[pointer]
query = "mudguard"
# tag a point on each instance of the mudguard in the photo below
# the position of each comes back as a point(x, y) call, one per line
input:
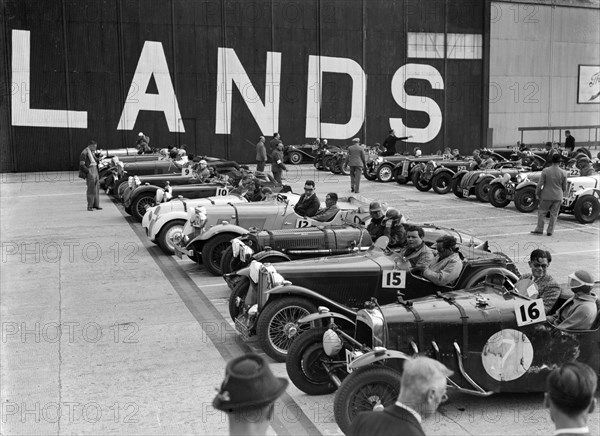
point(308, 293)
point(217, 230)
point(164, 219)
point(376, 355)
point(459, 174)
point(420, 167)
point(439, 170)
point(270, 253)
point(139, 191)
point(525, 184)
point(315, 316)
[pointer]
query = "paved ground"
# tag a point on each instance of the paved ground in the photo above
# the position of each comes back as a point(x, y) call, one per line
point(102, 333)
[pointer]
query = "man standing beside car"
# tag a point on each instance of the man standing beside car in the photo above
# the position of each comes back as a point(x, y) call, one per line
point(277, 165)
point(549, 191)
point(261, 154)
point(88, 170)
point(355, 159)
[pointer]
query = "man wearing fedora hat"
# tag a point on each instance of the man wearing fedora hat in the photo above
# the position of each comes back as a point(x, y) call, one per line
point(248, 394)
point(355, 159)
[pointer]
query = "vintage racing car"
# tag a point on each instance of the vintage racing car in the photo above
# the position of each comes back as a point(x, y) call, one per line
point(386, 168)
point(325, 156)
point(268, 300)
point(438, 174)
point(207, 234)
point(295, 154)
point(502, 189)
point(493, 338)
point(466, 183)
point(581, 198)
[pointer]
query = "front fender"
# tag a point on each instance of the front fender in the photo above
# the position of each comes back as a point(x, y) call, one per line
point(270, 253)
point(459, 174)
point(316, 316)
point(417, 169)
point(525, 184)
point(164, 219)
point(376, 355)
point(443, 170)
point(218, 229)
point(140, 190)
point(498, 180)
point(312, 295)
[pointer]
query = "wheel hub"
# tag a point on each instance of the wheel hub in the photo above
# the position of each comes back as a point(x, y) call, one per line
point(290, 330)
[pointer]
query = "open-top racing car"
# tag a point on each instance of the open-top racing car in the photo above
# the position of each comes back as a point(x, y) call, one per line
point(466, 183)
point(295, 154)
point(493, 338)
point(268, 300)
point(208, 233)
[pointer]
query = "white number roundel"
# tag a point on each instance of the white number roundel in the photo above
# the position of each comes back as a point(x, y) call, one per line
point(507, 355)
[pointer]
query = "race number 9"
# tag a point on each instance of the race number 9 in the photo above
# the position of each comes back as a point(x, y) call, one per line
point(221, 192)
point(186, 171)
point(394, 279)
point(530, 312)
point(301, 224)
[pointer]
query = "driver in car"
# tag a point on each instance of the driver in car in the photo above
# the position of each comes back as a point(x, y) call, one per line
point(330, 210)
point(309, 203)
point(416, 251)
point(447, 265)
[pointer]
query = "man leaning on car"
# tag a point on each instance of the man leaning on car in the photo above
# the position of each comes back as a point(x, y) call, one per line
point(88, 170)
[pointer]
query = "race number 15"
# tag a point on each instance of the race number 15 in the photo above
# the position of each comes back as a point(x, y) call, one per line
point(394, 279)
point(530, 312)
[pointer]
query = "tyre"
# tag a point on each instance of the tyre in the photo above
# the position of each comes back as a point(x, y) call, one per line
point(498, 195)
point(385, 173)
point(419, 183)
point(363, 390)
point(586, 209)
point(525, 200)
point(455, 186)
point(328, 162)
point(482, 190)
point(318, 163)
point(335, 166)
point(278, 324)
point(369, 175)
point(344, 169)
point(165, 236)
point(213, 250)
point(442, 183)
point(230, 264)
point(304, 363)
point(295, 158)
point(400, 179)
point(138, 205)
point(238, 296)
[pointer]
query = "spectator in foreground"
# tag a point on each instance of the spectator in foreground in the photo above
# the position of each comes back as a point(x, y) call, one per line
point(248, 395)
point(422, 390)
point(569, 395)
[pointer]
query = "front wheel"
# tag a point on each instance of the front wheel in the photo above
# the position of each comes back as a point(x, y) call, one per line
point(165, 237)
point(212, 252)
point(305, 360)
point(238, 297)
point(498, 196)
point(525, 200)
point(442, 183)
point(482, 190)
point(586, 209)
point(367, 389)
point(295, 158)
point(344, 169)
point(385, 173)
point(138, 206)
point(278, 325)
point(419, 183)
point(229, 263)
point(369, 175)
point(456, 189)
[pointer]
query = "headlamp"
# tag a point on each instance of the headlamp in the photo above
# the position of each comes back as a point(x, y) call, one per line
point(137, 181)
point(332, 344)
point(197, 216)
point(130, 181)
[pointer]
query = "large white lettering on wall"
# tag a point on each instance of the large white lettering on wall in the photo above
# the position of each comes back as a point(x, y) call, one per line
point(317, 65)
point(22, 113)
point(230, 71)
point(416, 102)
point(152, 62)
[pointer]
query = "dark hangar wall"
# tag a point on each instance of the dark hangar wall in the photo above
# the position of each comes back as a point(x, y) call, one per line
point(77, 78)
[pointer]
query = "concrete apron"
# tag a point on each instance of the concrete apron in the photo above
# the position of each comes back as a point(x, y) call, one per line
point(99, 334)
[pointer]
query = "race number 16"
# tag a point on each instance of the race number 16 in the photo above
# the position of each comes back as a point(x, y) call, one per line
point(394, 279)
point(530, 312)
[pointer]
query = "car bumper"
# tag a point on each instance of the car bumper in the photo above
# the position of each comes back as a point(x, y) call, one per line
point(182, 251)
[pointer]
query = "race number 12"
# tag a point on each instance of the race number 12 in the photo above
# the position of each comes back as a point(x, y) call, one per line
point(530, 312)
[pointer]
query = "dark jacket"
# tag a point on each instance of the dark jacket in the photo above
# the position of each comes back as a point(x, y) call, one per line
point(277, 161)
point(307, 206)
point(84, 163)
point(552, 184)
point(390, 145)
point(261, 152)
point(393, 420)
point(356, 156)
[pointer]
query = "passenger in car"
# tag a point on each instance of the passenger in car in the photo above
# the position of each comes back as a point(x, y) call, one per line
point(416, 251)
point(447, 266)
point(394, 229)
point(376, 227)
point(331, 208)
point(580, 311)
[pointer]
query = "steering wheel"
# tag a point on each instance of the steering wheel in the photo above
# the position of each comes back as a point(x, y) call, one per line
point(282, 198)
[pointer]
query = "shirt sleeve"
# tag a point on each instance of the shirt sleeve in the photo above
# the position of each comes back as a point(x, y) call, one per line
point(425, 259)
point(446, 275)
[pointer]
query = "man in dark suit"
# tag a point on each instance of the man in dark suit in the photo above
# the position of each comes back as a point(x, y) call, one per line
point(550, 190)
point(422, 390)
point(88, 170)
point(390, 143)
point(355, 159)
point(569, 395)
point(308, 205)
point(569, 140)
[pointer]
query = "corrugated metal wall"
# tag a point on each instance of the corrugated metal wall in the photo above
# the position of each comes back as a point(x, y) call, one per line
point(535, 53)
point(83, 55)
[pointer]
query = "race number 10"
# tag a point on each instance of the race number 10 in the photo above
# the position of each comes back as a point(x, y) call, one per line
point(530, 312)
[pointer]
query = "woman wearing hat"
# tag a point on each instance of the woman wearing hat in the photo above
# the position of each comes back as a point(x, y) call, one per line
point(580, 311)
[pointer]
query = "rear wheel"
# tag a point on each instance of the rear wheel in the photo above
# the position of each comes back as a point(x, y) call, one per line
point(442, 183)
point(482, 190)
point(456, 188)
point(169, 230)
point(278, 325)
point(498, 196)
point(344, 169)
point(368, 174)
point(304, 363)
point(213, 250)
point(138, 205)
point(369, 388)
point(328, 161)
point(525, 200)
point(295, 158)
point(419, 183)
point(586, 209)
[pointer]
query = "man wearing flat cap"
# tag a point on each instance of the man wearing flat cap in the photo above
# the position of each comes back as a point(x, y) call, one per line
point(248, 395)
point(447, 265)
point(355, 159)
